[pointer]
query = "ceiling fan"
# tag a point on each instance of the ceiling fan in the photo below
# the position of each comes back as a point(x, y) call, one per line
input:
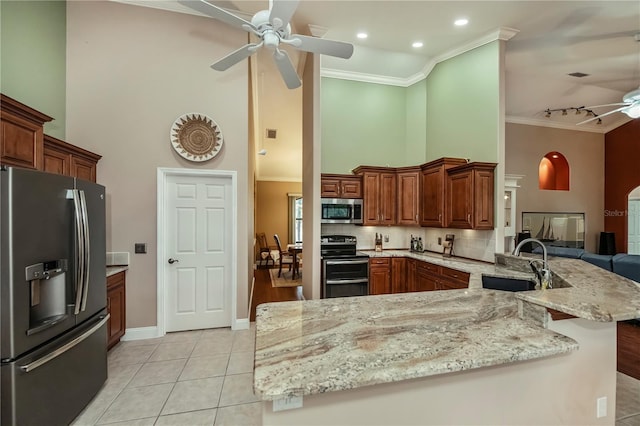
point(272, 28)
point(630, 105)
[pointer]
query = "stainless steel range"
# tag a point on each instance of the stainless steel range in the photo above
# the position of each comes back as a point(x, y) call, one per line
point(345, 271)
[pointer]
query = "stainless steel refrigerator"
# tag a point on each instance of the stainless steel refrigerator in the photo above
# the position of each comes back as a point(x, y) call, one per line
point(53, 317)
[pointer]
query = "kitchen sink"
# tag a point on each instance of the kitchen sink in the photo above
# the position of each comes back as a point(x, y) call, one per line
point(507, 284)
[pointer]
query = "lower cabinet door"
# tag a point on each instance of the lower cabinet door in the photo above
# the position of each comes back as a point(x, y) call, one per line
point(116, 307)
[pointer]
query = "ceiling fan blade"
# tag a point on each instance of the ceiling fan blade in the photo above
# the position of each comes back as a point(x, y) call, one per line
point(322, 46)
point(234, 57)
point(287, 70)
point(209, 9)
point(281, 13)
point(600, 116)
point(607, 105)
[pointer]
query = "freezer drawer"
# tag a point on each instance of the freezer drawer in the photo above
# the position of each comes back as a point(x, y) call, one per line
point(53, 384)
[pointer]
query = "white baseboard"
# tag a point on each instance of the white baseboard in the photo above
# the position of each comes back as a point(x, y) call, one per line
point(240, 324)
point(140, 333)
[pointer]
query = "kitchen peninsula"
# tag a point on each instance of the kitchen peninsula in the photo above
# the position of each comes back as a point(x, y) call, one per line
point(471, 356)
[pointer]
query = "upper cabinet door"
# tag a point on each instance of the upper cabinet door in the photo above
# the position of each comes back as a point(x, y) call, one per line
point(408, 197)
point(388, 198)
point(371, 198)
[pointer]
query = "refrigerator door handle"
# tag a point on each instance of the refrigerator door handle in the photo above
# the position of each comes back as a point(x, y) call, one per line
point(62, 349)
point(74, 195)
point(86, 251)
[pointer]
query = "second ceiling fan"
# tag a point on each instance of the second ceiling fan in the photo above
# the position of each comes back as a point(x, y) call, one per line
point(272, 28)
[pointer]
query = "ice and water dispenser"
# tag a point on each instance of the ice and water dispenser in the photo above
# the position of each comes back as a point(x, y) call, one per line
point(48, 294)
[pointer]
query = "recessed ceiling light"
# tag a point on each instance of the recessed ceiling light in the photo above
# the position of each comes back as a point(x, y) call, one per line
point(362, 35)
point(417, 44)
point(461, 22)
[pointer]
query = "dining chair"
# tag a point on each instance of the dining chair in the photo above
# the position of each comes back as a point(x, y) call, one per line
point(266, 253)
point(284, 258)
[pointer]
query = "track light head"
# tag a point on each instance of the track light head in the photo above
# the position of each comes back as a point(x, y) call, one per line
point(564, 112)
point(599, 121)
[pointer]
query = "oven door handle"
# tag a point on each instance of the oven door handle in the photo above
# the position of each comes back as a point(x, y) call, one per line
point(354, 281)
point(347, 262)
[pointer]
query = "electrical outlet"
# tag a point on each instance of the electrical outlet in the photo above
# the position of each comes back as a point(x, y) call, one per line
point(287, 403)
point(601, 407)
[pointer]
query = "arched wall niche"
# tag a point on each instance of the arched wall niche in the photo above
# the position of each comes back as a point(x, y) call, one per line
point(553, 172)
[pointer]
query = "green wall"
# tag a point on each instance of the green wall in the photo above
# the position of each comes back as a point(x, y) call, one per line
point(463, 106)
point(416, 144)
point(362, 124)
point(454, 112)
point(33, 38)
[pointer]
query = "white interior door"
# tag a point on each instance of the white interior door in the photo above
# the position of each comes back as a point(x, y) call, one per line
point(198, 245)
point(633, 239)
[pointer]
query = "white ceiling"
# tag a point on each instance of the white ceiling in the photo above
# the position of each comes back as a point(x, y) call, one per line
point(553, 39)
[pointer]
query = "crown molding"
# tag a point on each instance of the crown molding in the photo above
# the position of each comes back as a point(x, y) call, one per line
point(503, 33)
point(368, 78)
point(564, 126)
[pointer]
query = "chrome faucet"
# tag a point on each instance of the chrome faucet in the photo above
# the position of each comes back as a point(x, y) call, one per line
point(544, 273)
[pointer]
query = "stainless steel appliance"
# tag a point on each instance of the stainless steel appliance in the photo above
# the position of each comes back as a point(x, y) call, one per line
point(341, 210)
point(53, 346)
point(345, 272)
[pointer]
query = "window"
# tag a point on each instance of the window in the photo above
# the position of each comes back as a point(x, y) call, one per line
point(295, 218)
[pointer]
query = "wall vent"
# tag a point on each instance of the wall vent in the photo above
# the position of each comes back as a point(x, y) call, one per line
point(271, 133)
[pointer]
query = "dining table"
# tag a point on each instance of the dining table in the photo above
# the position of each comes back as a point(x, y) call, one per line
point(294, 250)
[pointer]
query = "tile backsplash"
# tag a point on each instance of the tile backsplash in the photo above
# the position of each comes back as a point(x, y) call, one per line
point(468, 243)
point(117, 258)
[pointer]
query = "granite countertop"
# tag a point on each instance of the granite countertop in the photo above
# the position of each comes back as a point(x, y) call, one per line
point(318, 346)
point(112, 270)
point(594, 293)
point(582, 289)
point(475, 268)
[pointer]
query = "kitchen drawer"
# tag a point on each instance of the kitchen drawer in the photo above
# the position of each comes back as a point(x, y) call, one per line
point(455, 275)
point(429, 267)
point(380, 261)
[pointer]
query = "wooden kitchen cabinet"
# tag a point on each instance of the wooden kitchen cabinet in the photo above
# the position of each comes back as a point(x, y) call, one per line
point(24, 144)
point(411, 274)
point(408, 204)
point(116, 306)
point(470, 196)
point(426, 279)
point(379, 275)
point(21, 133)
point(379, 195)
point(433, 190)
point(340, 186)
point(65, 159)
point(399, 282)
point(451, 279)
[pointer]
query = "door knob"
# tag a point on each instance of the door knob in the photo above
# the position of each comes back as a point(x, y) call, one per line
point(172, 261)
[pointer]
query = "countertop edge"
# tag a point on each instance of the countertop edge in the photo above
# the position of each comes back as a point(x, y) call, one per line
point(112, 270)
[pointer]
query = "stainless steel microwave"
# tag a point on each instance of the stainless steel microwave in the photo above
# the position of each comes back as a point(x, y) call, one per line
point(341, 210)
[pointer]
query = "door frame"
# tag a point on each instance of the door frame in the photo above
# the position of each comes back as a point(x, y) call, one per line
point(163, 174)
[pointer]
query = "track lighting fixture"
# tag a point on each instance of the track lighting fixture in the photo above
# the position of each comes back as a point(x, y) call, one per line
point(564, 111)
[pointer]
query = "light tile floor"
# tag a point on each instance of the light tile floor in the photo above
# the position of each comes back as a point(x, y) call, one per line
point(205, 378)
point(190, 378)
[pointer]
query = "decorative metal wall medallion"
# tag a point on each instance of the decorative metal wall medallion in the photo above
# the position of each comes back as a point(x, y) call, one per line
point(196, 137)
